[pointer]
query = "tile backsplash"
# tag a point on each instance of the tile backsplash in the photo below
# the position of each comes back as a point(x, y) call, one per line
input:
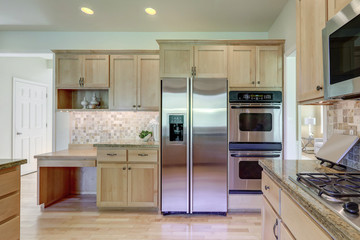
point(344, 118)
point(96, 127)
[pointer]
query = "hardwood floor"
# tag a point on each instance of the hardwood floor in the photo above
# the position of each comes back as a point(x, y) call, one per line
point(78, 218)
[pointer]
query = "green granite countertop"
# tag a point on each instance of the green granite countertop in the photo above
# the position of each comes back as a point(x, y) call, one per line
point(280, 171)
point(129, 144)
point(8, 163)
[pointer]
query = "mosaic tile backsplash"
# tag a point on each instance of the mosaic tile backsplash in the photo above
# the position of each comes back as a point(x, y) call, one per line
point(344, 117)
point(97, 127)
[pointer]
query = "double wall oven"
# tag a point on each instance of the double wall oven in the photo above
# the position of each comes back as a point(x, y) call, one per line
point(255, 133)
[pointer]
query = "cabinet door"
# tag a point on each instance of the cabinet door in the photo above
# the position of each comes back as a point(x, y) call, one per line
point(148, 83)
point(334, 6)
point(269, 66)
point(68, 70)
point(176, 60)
point(311, 19)
point(96, 71)
point(211, 61)
point(143, 185)
point(270, 222)
point(123, 82)
point(111, 185)
point(242, 65)
point(285, 233)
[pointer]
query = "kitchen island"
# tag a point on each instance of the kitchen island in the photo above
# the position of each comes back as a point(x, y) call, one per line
point(10, 198)
point(279, 174)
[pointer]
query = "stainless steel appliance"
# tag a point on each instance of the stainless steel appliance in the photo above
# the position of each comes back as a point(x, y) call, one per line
point(255, 133)
point(341, 50)
point(194, 145)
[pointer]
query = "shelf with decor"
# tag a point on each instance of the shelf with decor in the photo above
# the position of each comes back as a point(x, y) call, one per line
point(73, 99)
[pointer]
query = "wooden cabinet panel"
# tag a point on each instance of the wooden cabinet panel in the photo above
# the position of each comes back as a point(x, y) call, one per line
point(10, 230)
point(9, 206)
point(123, 82)
point(96, 71)
point(142, 155)
point(242, 66)
point(271, 191)
point(68, 70)
point(285, 233)
point(269, 63)
point(111, 155)
point(270, 221)
point(10, 180)
point(334, 6)
point(143, 187)
point(148, 82)
point(297, 220)
point(311, 19)
point(176, 60)
point(211, 61)
point(111, 185)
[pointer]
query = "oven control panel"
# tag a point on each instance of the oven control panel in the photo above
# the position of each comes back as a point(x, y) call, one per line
point(255, 96)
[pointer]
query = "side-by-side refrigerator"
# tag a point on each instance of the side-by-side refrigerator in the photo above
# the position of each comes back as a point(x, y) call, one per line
point(194, 145)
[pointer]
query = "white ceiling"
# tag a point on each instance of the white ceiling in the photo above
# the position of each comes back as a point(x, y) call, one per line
point(129, 15)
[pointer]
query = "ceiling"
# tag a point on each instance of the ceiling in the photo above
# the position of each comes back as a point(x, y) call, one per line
point(129, 15)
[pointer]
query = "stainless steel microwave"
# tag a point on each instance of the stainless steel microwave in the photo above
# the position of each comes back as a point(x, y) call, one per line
point(341, 53)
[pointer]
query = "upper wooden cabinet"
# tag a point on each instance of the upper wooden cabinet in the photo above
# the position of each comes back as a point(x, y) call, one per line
point(269, 70)
point(210, 61)
point(176, 60)
point(242, 66)
point(334, 6)
point(311, 19)
point(82, 71)
point(134, 82)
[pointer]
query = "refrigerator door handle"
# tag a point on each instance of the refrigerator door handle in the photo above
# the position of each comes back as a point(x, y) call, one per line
point(188, 146)
point(190, 109)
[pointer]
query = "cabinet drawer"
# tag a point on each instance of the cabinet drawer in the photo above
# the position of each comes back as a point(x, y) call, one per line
point(271, 191)
point(9, 206)
point(10, 230)
point(111, 155)
point(297, 220)
point(142, 155)
point(10, 180)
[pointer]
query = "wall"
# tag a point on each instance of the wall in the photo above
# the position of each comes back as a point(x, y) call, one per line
point(284, 26)
point(32, 69)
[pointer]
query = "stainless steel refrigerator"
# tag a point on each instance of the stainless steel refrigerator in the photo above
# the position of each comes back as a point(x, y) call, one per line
point(194, 145)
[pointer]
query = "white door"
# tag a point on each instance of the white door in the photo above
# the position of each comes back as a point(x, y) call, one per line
point(29, 123)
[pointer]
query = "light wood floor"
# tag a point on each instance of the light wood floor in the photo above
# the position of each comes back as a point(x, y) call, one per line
point(75, 219)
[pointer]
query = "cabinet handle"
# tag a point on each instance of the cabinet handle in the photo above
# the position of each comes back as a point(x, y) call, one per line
point(124, 168)
point(111, 154)
point(80, 82)
point(274, 227)
point(258, 82)
point(129, 168)
point(143, 155)
point(267, 187)
point(318, 88)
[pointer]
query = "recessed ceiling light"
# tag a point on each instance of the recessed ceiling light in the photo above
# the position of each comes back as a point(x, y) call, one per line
point(150, 11)
point(87, 10)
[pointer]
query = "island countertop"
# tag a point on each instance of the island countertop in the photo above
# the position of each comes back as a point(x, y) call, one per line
point(280, 171)
point(129, 144)
point(9, 163)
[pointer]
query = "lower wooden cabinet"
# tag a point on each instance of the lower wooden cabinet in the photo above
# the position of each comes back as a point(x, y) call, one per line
point(270, 221)
point(127, 185)
point(285, 233)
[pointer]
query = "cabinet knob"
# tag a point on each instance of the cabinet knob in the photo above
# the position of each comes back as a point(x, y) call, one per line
point(267, 187)
point(134, 106)
point(124, 168)
point(18, 133)
point(318, 88)
point(129, 168)
point(139, 106)
point(253, 82)
point(258, 82)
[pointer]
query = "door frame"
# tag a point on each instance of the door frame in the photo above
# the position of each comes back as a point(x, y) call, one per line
point(20, 80)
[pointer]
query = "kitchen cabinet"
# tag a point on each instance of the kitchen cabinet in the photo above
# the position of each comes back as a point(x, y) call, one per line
point(210, 61)
point(242, 66)
point(135, 83)
point(284, 218)
point(176, 60)
point(269, 70)
point(311, 18)
point(82, 71)
point(127, 178)
point(334, 6)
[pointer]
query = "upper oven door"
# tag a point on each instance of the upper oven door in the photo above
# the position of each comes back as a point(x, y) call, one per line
point(255, 123)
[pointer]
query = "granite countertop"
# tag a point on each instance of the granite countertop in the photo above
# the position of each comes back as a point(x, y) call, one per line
point(9, 163)
point(129, 144)
point(70, 154)
point(280, 171)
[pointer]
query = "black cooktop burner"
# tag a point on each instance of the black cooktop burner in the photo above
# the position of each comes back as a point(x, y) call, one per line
point(338, 185)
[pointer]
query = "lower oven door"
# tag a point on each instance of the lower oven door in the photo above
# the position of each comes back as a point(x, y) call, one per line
point(245, 171)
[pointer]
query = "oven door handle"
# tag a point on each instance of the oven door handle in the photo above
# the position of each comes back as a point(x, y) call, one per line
point(255, 156)
point(255, 107)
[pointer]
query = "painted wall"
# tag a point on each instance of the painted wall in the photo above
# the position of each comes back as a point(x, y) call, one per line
point(284, 26)
point(32, 69)
point(42, 42)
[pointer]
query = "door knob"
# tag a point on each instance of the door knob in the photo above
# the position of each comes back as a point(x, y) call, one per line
point(18, 133)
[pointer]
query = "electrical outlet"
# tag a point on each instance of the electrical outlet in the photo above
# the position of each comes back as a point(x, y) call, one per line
point(351, 132)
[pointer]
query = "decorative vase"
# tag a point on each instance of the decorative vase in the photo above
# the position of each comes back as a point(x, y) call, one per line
point(84, 103)
point(147, 137)
point(94, 102)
